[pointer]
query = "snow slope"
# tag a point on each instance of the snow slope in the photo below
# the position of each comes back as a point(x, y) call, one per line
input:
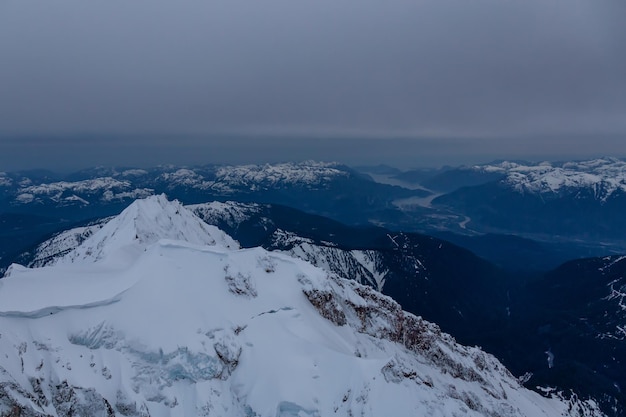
point(49, 251)
point(157, 314)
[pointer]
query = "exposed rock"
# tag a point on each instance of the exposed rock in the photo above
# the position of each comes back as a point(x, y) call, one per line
point(325, 303)
point(239, 284)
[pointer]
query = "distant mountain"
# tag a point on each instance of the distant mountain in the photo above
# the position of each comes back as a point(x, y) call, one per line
point(80, 199)
point(328, 189)
point(554, 202)
point(575, 199)
point(324, 188)
point(176, 320)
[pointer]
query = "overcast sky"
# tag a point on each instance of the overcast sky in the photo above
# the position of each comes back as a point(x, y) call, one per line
point(419, 82)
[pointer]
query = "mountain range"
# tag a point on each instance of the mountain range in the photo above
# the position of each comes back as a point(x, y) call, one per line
point(580, 199)
point(551, 322)
point(554, 211)
point(318, 187)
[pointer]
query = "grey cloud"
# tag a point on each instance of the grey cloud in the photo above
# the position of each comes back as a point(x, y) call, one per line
point(429, 68)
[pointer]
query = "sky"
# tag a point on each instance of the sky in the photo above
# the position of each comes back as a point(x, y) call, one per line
point(408, 83)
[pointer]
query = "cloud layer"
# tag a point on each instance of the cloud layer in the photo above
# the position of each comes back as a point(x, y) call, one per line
point(341, 68)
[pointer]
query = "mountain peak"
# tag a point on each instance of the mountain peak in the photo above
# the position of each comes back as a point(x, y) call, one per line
point(145, 222)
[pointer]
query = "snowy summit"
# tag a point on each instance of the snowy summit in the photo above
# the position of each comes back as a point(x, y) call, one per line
point(159, 314)
point(144, 223)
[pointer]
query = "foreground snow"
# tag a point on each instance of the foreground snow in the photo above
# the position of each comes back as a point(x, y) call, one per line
point(160, 314)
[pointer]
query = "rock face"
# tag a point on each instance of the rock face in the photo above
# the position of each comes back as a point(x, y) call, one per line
point(164, 321)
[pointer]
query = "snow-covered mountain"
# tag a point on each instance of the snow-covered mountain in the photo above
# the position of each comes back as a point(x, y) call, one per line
point(142, 224)
point(414, 269)
point(110, 184)
point(148, 220)
point(367, 266)
point(175, 320)
point(603, 176)
point(79, 192)
point(325, 188)
point(572, 200)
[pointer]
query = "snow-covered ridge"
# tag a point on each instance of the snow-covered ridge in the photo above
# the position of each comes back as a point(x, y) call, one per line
point(310, 172)
point(110, 184)
point(143, 223)
point(106, 189)
point(602, 177)
point(185, 177)
point(232, 213)
point(228, 179)
point(5, 180)
point(49, 251)
point(182, 328)
point(364, 266)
